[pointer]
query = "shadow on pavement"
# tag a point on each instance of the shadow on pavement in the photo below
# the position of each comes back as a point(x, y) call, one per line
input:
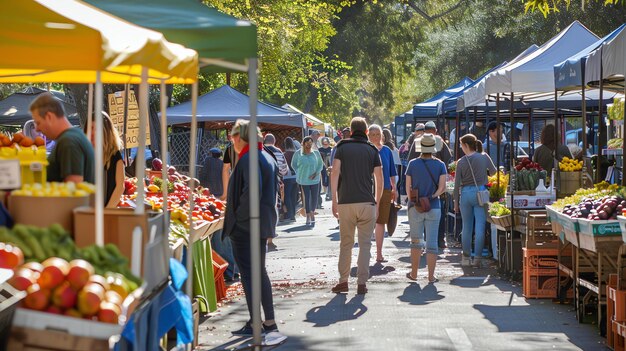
point(298, 229)
point(407, 259)
point(525, 321)
point(336, 310)
point(375, 270)
point(414, 294)
point(333, 236)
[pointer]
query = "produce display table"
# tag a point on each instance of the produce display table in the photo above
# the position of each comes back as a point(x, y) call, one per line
point(596, 246)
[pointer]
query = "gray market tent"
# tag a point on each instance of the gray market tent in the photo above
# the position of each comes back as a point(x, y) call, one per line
point(225, 105)
point(14, 110)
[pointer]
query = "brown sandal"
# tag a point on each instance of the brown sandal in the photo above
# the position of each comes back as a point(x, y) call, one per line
point(361, 289)
point(408, 275)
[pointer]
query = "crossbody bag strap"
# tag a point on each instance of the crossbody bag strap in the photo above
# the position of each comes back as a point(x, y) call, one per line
point(471, 170)
point(429, 173)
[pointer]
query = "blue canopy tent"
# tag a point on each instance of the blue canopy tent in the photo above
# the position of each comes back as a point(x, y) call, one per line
point(224, 105)
point(571, 74)
point(428, 108)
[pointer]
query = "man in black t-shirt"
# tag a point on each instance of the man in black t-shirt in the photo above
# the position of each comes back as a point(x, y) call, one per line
point(355, 161)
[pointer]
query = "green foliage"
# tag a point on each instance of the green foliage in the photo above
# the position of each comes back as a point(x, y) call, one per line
point(552, 6)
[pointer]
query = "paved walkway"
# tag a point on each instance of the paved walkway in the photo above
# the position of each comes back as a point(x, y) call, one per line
point(467, 309)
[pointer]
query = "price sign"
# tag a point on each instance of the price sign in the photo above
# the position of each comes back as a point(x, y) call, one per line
point(10, 175)
point(116, 112)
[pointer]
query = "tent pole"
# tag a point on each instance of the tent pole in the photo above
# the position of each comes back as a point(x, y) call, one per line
point(255, 223)
point(601, 127)
point(89, 121)
point(530, 132)
point(99, 153)
point(456, 135)
point(499, 136)
point(140, 170)
point(557, 142)
point(512, 161)
point(125, 125)
point(584, 115)
point(487, 123)
point(624, 143)
point(192, 171)
point(164, 157)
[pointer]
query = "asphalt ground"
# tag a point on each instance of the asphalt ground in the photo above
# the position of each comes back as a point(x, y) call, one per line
point(468, 309)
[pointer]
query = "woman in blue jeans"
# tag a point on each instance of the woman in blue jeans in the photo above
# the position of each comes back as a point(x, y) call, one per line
point(472, 171)
point(308, 164)
point(426, 177)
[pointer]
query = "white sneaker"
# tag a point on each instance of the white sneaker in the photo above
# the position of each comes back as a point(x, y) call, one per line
point(465, 262)
point(274, 338)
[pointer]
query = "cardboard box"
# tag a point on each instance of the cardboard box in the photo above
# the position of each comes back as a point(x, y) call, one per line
point(118, 227)
point(70, 325)
point(45, 211)
point(28, 339)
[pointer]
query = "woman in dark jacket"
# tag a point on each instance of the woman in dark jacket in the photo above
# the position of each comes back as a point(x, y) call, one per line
point(237, 222)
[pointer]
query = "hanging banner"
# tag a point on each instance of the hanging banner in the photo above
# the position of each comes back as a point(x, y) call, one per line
point(116, 111)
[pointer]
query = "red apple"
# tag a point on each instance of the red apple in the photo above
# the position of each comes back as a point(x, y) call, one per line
point(10, 256)
point(89, 299)
point(54, 272)
point(79, 274)
point(64, 296)
point(23, 278)
point(38, 298)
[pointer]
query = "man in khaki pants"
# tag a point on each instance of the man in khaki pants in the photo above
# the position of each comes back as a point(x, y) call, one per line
point(356, 160)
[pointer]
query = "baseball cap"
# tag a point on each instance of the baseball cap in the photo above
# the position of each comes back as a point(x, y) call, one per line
point(419, 127)
point(430, 125)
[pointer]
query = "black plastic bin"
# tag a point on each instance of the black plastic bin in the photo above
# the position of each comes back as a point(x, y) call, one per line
point(9, 297)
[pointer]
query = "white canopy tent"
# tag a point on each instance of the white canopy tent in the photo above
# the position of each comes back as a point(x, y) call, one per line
point(528, 74)
point(608, 61)
point(475, 94)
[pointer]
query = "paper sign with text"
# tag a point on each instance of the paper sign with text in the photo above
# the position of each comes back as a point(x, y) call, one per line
point(10, 174)
point(116, 111)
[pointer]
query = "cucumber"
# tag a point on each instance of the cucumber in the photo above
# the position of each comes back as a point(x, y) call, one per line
point(23, 233)
point(8, 237)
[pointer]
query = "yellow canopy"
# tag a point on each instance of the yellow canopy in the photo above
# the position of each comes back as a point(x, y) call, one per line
point(41, 39)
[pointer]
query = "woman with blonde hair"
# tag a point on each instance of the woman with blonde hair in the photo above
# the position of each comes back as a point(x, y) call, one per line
point(113, 161)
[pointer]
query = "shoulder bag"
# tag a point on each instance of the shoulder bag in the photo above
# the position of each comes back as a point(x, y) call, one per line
point(482, 195)
point(423, 203)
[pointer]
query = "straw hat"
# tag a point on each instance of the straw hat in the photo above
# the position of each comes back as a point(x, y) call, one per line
point(426, 144)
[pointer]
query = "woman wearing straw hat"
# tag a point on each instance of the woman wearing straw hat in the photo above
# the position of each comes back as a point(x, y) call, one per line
point(426, 178)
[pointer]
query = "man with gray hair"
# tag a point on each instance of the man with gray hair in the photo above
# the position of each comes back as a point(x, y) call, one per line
point(237, 223)
point(375, 136)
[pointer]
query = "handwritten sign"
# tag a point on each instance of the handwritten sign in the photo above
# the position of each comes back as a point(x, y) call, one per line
point(116, 112)
point(10, 174)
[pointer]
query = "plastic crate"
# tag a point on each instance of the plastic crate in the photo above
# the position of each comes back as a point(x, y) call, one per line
point(9, 297)
point(540, 273)
point(219, 265)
